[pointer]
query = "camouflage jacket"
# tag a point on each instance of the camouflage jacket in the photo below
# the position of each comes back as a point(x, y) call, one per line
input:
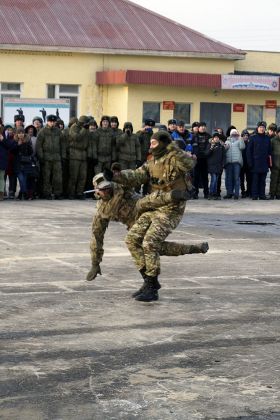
point(125, 206)
point(166, 173)
point(104, 145)
point(78, 142)
point(49, 145)
point(128, 148)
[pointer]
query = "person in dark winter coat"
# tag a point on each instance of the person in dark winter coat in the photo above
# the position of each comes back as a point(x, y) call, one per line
point(200, 144)
point(128, 148)
point(6, 145)
point(23, 161)
point(215, 161)
point(275, 170)
point(245, 172)
point(258, 153)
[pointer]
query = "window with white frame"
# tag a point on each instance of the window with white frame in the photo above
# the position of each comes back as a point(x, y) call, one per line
point(254, 115)
point(70, 92)
point(8, 90)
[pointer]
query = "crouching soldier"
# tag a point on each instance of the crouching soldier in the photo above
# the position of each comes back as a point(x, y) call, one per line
point(120, 204)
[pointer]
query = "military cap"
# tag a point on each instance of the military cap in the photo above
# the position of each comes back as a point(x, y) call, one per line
point(52, 118)
point(162, 136)
point(128, 125)
point(100, 183)
point(83, 119)
point(272, 127)
point(38, 119)
point(172, 121)
point(115, 119)
point(19, 118)
point(92, 122)
point(150, 122)
point(261, 124)
point(181, 123)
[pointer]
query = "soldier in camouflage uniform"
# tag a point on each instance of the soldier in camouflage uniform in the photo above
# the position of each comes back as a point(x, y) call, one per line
point(65, 160)
point(78, 152)
point(144, 136)
point(117, 203)
point(103, 145)
point(166, 171)
point(50, 151)
point(114, 122)
point(128, 148)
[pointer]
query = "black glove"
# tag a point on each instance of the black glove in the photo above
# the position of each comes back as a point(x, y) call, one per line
point(138, 163)
point(108, 174)
point(178, 195)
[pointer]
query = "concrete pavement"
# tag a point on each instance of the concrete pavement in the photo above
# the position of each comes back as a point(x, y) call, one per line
point(208, 349)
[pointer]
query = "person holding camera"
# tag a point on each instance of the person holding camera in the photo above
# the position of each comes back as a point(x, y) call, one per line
point(128, 148)
point(78, 153)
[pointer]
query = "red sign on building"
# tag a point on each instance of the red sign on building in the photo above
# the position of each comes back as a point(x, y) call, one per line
point(238, 107)
point(271, 104)
point(168, 105)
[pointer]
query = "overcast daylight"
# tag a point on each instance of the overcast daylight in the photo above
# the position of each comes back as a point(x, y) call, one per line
point(248, 25)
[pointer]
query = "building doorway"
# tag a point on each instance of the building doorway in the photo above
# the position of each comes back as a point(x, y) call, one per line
point(215, 115)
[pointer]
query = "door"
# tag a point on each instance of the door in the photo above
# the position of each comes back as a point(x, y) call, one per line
point(215, 115)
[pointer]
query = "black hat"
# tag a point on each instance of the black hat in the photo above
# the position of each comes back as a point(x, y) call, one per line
point(195, 124)
point(105, 118)
point(181, 123)
point(52, 118)
point(150, 122)
point(34, 130)
point(128, 125)
point(19, 118)
point(162, 127)
point(172, 121)
point(93, 122)
point(202, 124)
point(245, 133)
point(215, 134)
point(162, 136)
point(115, 119)
point(261, 124)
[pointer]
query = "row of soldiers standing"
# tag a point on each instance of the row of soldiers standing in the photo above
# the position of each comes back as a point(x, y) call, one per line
point(70, 158)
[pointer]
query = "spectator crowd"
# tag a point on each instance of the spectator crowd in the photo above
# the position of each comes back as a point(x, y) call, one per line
point(57, 162)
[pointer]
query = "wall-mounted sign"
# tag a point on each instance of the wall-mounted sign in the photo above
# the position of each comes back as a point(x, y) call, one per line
point(238, 107)
point(168, 105)
point(271, 104)
point(31, 108)
point(247, 82)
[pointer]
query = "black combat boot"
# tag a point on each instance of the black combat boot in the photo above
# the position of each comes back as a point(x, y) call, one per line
point(150, 292)
point(139, 291)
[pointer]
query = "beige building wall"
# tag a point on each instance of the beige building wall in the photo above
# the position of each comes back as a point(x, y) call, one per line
point(35, 70)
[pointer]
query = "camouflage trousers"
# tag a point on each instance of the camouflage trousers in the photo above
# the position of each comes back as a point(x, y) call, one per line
point(52, 177)
point(145, 239)
point(275, 181)
point(77, 177)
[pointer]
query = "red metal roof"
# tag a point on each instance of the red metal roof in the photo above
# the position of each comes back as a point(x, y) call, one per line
point(99, 24)
point(160, 78)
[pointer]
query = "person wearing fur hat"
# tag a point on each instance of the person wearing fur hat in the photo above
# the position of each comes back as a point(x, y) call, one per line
point(128, 148)
point(38, 123)
point(19, 121)
point(115, 126)
point(103, 150)
point(234, 162)
point(164, 171)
